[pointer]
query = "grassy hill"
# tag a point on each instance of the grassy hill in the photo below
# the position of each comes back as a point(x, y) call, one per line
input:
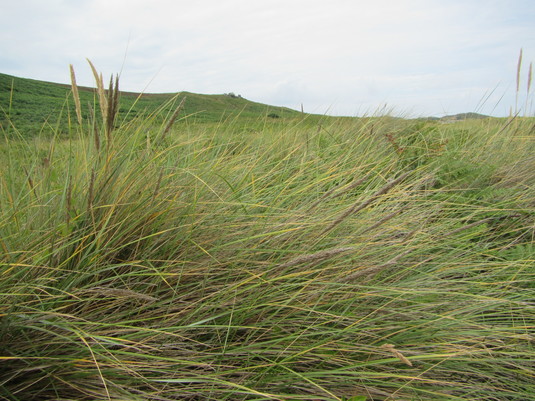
point(36, 106)
point(464, 116)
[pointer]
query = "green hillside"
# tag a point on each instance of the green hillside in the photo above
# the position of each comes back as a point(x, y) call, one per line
point(464, 116)
point(33, 106)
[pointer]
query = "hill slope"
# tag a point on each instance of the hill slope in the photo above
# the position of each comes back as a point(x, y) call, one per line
point(35, 106)
point(464, 116)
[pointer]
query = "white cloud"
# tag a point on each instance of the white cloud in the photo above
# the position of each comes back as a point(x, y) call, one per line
point(430, 57)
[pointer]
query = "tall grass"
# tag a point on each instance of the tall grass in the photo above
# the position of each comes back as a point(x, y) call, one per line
point(345, 259)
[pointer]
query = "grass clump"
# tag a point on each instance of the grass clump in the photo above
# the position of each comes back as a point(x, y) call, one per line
point(308, 259)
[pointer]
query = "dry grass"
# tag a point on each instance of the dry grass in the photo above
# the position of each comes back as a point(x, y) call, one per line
point(358, 206)
point(76, 96)
point(192, 268)
point(103, 101)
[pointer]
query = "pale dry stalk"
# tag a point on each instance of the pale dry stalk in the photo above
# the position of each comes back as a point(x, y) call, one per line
point(336, 192)
point(100, 90)
point(357, 207)
point(376, 269)
point(76, 95)
point(173, 118)
point(113, 107)
point(382, 221)
point(391, 348)
point(314, 257)
point(117, 293)
point(518, 68)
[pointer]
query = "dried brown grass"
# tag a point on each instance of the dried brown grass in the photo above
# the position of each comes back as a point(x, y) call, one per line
point(391, 348)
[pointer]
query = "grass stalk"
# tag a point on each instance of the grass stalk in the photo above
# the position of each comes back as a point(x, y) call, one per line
point(357, 207)
point(518, 71)
point(76, 96)
point(173, 118)
point(315, 257)
point(103, 101)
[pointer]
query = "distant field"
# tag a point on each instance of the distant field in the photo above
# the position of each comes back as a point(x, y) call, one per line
point(35, 107)
point(234, 255)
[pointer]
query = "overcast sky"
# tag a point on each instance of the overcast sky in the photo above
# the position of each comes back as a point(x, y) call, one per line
point(338, 57)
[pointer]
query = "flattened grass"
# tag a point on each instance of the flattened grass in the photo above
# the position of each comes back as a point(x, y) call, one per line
point(213, 262)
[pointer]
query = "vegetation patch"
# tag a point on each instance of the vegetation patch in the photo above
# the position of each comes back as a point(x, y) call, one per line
point(148, 255)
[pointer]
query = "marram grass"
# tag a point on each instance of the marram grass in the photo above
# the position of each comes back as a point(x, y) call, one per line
point(365, 259)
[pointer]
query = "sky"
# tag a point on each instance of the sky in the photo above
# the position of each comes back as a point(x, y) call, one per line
point(338, 57)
